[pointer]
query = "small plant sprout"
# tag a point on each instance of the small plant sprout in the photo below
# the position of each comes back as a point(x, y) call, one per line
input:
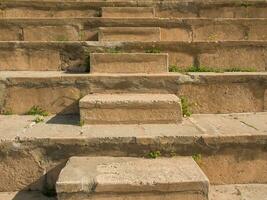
point(185, 107)
point(153, 50)
point(39, 119)
point(174, 68)
point(114, 50)
point(7, 112)
point(154, 154)
point(197, 157)
point(62, 38)
point(37, 110)
point(82, 122)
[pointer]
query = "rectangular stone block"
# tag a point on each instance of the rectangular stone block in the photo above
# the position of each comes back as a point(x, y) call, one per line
point(27, 12)
point(128, 63)
point(100, 178)
point(144, 34)
point(10, 34)
point(252, 58)
point(51, 33)
point(128, 12)
point(22, 59)
point(130, 109)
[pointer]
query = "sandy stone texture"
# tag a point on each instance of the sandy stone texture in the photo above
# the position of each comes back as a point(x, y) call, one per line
point(101, 175)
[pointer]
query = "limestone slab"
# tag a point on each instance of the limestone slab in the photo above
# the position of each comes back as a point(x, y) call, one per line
point(130, 109)
point(24, 195)
point(238, 191)
point(128, 12)
point(128, 63)
point(146, 34)
point(179, 177)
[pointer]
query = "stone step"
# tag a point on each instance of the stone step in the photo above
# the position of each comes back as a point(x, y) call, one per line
point(145, 34)
point(235, 191)
point(128, 12)
point(214, 140)
point(217, 192)
point(163, 9)
point(59, 92)
point(129, 63)
point(87, 29)
point(132, 178)
point(24, 195)
point(73, 56)
point(130, 109)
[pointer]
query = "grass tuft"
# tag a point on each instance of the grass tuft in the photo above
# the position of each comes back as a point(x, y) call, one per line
point(154, 154)
point(185, 107)
point(37, 110)
point(153, 50)
point(39, 119)
point(174, 68)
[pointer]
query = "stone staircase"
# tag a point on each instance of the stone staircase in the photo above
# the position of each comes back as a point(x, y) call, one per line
point(90, 90)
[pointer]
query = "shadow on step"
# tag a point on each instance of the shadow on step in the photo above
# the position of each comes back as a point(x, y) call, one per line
point(64, 119)
point(43, 188)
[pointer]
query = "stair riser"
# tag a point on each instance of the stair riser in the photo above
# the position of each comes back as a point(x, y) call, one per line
point(130, 115)
point(221, 167)
point(221, 94)
point(162, 9)
point(128, 12)
point(74, 55)
point(128, 63)
point(139, 196)
point(129, 34)
point(177, 30)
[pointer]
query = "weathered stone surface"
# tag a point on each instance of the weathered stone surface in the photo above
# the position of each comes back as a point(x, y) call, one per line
point(29, 60)
point(175, 34)
point(238, 191)
point(246, 58)
point(181, 9)
point(129, 34)
point(54, 91)
point(130, 109)
point(233, 144)
point(62, 100)
point(10, 34)
point(74, 54)
point(76, 29)
point(24, 195)
point(223, 98)
point(128, 63)
point(265, 100)
point(230, 11)
point(48, 13)
point(121, 176)
point(51, 33)
point(214, 32)
point(128, 12)
point(21, 171)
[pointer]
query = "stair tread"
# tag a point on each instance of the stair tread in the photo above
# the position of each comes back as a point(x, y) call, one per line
point(233, 126)
point(125, 174)
point(128, 98)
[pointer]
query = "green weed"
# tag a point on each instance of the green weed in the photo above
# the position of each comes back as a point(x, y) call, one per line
point(37, 110)
point(185, 107)
point(154, 154)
